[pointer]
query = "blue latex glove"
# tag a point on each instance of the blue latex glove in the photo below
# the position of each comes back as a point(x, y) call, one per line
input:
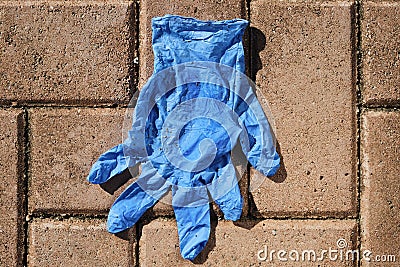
point(183, 136)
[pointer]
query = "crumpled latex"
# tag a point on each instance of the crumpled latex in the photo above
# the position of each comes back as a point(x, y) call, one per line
point(183, 137)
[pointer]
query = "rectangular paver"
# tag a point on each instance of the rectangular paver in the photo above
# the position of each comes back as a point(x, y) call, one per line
point(204, 10)
point(380, 203)
point(304, 67)
point(64, 145)
point(65, 52)
point(11, 187)
point(246, 244)
point(77, 242)
point(381, 56)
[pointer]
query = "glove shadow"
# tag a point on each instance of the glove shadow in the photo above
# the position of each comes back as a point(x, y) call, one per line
point(126, 234)
point(279, 177)
point(114, 183)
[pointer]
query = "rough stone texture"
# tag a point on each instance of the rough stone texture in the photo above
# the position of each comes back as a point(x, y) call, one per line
point(381, 48)
point(233, 245)
point(380, 206)
point(77, 243)
point(302, 56)
point(65, 52)
point(64, 145)
point(11, 186)
point(205, 10)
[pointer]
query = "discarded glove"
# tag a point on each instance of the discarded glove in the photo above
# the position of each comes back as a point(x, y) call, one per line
point(188, 118)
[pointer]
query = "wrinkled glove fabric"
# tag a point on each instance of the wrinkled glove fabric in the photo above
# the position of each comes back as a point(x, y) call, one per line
point(209, 138)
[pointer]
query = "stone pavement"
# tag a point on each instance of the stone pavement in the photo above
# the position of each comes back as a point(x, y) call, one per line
point(330, 71)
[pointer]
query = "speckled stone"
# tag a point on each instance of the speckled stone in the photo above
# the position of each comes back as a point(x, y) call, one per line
point(77, 242)
point(65, 53)
point(240, 244)
point(304, 66)
point(381, 51)
point(11, 187)
point(64, 145)
point(380, 202)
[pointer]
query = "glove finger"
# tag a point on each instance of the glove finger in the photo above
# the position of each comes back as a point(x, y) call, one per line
point(261, 150)
point(226, 193)
point(109, 164)
point(136, 199)
point(193, 229)
point(231, 204)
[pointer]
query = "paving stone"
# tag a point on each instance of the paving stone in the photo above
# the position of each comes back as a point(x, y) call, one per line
point(380, 203)
point(204, 10)
point(304, 66)
point(11, 187)
point(64, 145)
point(381, 46)
point(234, 245)
point(60, 52)
point(77, 242)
